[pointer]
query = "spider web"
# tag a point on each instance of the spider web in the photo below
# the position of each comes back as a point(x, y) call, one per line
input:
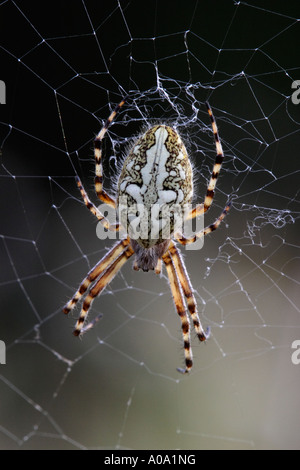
point(64, 70)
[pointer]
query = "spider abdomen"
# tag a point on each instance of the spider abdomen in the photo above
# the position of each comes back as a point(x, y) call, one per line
point(154, 185)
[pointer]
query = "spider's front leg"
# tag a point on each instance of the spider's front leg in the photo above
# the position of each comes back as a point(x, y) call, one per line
point(95, 273)
point(94, 210)
point(188, 291)
point(181, 310)
point(102, 282)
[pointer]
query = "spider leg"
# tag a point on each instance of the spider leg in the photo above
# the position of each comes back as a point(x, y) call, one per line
point(186, 241)
point(188, 291)
point(105, 279)
point(102, 195)
point(202, 208)
point(95, 210)
point(195, 212)
point(218, 162)
point(158, 266)
point(96, 271)
point(181, 310)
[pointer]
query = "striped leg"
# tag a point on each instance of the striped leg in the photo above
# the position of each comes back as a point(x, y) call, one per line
point(188, 291)
point(186, 241)
point(202, 208)
point(105, 279)
point(181, 310)
point(97, 270)
point(95, 210)
point(198, 210)
point(218, 162)
point(102, 195)
point(158, 266)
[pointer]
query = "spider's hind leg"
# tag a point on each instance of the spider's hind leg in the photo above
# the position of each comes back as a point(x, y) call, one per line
point(210, 192)
point(211, 228)
point(91, 207)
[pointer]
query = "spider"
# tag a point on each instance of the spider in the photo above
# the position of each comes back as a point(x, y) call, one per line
point(157, 169)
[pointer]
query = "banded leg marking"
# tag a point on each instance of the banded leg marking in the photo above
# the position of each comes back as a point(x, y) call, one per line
point(105, 279)
point(95, 210)
point(181, 310)
point(95, 272)
point(186, 241)
point(218, 162)
point(103, 195)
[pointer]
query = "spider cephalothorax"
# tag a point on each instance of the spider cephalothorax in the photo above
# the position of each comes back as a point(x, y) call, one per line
point(155, 186)
point(147, 259)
